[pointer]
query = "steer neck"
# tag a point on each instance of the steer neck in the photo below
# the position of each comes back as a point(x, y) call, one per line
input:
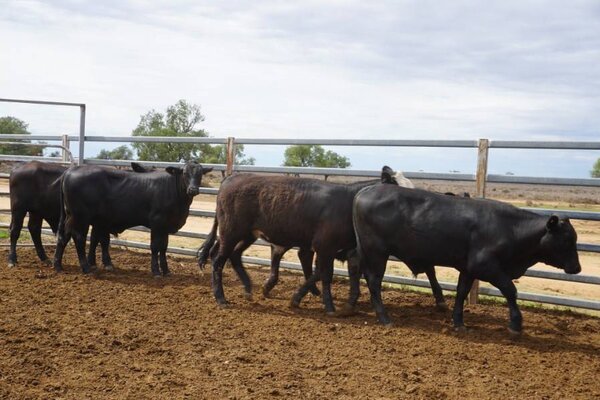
point(529, 233)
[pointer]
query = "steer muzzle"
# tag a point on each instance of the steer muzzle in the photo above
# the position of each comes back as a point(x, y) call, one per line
point(193, 190)
point(574, 268)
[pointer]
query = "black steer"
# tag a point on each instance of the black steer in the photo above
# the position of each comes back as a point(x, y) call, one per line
point(483, 239)
point(112, 201)
point(35, 189)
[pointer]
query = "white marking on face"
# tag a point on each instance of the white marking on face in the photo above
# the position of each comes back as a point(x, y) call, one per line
point(404, 181)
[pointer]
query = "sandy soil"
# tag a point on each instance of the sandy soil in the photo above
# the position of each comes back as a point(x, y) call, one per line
point(126, 335)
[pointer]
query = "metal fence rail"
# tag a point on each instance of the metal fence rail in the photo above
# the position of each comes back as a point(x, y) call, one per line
point(480, 178)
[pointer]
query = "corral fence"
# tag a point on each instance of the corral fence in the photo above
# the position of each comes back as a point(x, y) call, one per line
point(480, 178)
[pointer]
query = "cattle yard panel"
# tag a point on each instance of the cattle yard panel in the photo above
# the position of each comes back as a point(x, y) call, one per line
point(480, 179)
point(81, 106)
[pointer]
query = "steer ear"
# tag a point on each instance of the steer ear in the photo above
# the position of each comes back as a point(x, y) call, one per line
point(552, 222)
point(206, 170)
point(138, 167)
point(387, 175)
point(174, 170)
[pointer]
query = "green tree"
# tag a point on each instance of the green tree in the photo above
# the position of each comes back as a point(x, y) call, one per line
point(120, 153)
point(595, 172)
point(15, 126)
point(313, 156)
point(180, 120)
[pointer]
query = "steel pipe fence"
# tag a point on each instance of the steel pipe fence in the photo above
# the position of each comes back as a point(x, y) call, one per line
point(480, 178)
point(82, 111)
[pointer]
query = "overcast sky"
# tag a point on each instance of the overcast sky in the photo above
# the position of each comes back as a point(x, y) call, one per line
point(315, 69)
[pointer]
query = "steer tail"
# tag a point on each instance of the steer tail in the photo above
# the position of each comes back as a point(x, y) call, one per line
point(60, 231)
point(359, 250)
point(205, 250)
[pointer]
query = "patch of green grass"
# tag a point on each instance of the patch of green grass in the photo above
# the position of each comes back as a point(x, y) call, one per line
point(3, 234)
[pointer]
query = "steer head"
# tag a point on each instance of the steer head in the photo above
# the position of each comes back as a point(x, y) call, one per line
point(388, 175)
point(559, 245)
point(395, 178)
point(191, 176)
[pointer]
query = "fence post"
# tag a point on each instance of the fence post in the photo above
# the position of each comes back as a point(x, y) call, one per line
point(482, 163)
point(65, 143)
point(81, 159)
point(230, 156)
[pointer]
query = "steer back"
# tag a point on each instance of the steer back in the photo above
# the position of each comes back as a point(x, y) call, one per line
point(280, 204)
point(116, 200)
point(34, 187)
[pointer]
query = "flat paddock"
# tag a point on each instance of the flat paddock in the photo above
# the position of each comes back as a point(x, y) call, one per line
point(125, 334)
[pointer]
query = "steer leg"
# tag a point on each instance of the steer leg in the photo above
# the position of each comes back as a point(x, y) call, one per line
point(354, 275)
point(440, 302)
point(375, 274)
point(105, 244)
point(79, 237)
point(92, 250)
point(508, 289)
point(306, 260)
point(35, 230)
point(277, 253)
point(62, 238)
point(238, 267)
point(218, 262)
point(325, 267)
point(465, 281)
point(16, 224)
point(156, 245)
point(303, 290)
point(164, 267)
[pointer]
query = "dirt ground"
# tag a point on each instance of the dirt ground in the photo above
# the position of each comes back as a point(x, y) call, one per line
point(126, 335)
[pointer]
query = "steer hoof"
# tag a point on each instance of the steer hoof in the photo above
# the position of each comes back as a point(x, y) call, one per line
point(346, 311)
point(12, 264)
point(266, 292)
point(330, 313)
point(157, 276)
point(47, 262)
point(513, 334)
point(294, 303)
point(224, 305)
point(461, 329)
point(441, 306)
point(248, 296)
point(109, 267)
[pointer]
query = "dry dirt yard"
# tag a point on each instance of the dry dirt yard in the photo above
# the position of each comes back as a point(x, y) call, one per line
point(126, 335)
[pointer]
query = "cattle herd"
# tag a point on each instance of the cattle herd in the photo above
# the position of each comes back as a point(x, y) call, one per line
point(362, 223)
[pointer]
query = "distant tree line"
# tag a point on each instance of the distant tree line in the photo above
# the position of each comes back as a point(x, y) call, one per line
point(15, 126)
point(179, 120)
point(182, 119)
